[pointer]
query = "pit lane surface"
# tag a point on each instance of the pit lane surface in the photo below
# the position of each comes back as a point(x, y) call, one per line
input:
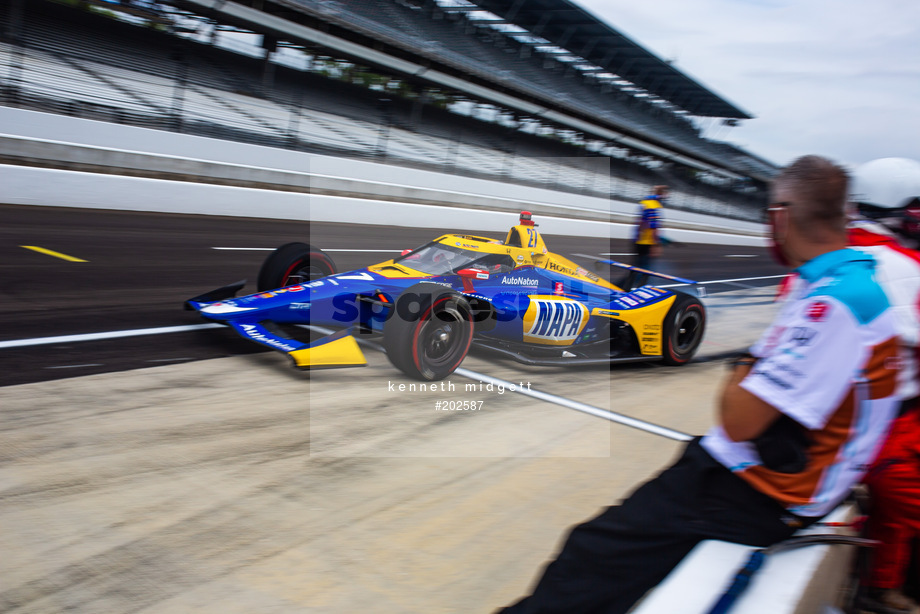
point(138, 268)
point(238, 484)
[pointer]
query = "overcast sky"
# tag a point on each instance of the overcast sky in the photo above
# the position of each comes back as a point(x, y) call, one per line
point(840, 78)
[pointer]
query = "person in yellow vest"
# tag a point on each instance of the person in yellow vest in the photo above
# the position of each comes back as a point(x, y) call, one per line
point(647, 241)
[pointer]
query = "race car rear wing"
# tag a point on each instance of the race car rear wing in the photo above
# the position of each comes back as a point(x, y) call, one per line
point(635, 274)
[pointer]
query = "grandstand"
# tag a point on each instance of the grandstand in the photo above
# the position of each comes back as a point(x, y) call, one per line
point(534, 91)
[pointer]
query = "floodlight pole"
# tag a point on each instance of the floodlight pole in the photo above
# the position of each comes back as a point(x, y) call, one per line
point(13, 34)
point(179, 90)
point(385, 105)
point(294, 124)
point(270, 45)
point(13, 30)
point(453, 150)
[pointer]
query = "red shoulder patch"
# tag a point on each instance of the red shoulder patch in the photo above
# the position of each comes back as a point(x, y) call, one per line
point(817, 311)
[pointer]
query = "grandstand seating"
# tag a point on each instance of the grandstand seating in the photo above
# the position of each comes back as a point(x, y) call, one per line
point(416, 30)
point(120, 72)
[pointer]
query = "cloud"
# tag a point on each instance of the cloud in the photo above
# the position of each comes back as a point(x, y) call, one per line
point(835, 77)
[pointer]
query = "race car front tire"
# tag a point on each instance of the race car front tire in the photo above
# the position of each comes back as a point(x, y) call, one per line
point(430, 333)
point(683, 329)
point(294, 263)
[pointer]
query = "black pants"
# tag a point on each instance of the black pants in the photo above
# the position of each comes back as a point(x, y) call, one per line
point(608, 563)
point(643, 256)
point(642, 259)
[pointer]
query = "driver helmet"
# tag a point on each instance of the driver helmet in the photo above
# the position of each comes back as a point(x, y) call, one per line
point(888, 190)
point(445, 256)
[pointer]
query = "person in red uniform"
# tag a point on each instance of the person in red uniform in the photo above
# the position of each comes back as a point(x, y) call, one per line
point(888, 192)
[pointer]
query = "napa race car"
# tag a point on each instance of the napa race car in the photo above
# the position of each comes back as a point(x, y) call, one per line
point(431, 304)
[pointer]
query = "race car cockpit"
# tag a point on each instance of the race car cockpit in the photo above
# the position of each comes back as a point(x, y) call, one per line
point(439, 259)
point(525, 235)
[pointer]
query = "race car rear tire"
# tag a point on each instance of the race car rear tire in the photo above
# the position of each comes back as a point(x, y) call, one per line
point(683, 329)
point(294, 263)
point(430, 333)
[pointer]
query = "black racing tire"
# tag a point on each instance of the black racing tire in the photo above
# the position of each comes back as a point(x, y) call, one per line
point(294, 263)
point(430, 333)
point(683, 329)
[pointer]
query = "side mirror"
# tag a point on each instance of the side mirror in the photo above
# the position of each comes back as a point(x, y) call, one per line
point(473, 274)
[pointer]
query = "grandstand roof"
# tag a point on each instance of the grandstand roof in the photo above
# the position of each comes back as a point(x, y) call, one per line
point(571, 27)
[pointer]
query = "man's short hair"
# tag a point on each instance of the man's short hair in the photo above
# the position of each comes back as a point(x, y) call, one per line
point(819, 191)
point(660, 190)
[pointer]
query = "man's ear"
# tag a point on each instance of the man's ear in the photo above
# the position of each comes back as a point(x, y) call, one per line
point(781, 226)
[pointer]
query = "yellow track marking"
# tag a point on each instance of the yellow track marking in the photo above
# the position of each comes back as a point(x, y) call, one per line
point(42, 250)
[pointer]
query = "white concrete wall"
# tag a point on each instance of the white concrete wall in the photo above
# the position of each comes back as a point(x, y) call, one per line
point(348, 190)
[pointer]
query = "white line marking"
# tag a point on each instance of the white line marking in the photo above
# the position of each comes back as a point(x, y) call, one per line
point(635, 423)
point(392, 251)
point(271, 249)
point(92, 364)
point(169, 359)
point(115, 334)
point(725, 281)
point(740, 255)
point(592, 257)
point(613, 416)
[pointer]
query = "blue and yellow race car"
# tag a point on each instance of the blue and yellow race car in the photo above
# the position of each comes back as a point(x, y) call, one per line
point(431, 304)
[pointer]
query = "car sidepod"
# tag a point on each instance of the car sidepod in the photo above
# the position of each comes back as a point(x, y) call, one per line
point(666, 324)
point(643, 311)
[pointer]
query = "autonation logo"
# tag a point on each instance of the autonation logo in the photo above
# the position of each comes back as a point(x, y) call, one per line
point(520, 281)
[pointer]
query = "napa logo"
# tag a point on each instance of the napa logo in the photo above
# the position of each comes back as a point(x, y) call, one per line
point(551, 320)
